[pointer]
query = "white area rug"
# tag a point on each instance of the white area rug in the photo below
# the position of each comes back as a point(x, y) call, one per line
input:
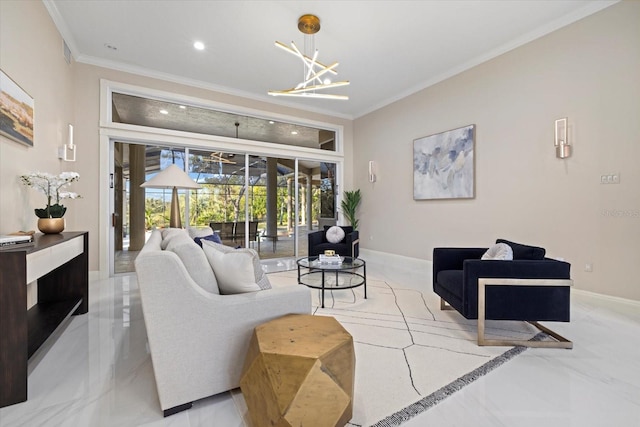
point(410, 355)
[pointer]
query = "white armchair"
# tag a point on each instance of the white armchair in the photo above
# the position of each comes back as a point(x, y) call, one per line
point(198, 339)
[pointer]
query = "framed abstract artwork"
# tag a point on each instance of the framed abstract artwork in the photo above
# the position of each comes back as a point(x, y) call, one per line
point(443, 165)
point(16, 111)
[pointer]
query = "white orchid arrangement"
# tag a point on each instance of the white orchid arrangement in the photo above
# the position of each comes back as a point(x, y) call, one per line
point(51, 186)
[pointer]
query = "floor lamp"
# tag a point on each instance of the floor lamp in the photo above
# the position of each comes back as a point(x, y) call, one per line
point(172, 177)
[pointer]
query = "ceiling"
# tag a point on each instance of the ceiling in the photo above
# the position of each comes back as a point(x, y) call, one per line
point(386, 49)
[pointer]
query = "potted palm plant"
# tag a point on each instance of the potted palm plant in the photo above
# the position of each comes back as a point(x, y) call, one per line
point(350, 204)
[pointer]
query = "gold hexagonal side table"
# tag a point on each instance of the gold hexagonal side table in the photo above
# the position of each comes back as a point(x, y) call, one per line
point(299, 371)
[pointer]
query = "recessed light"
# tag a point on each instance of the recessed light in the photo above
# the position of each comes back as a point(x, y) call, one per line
point(182, 107)
point(271, 122)
point(198, 45)
point(294, 132)
point(164, 112)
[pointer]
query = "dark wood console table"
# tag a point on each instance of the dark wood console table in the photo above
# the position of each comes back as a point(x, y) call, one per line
point(60, 264)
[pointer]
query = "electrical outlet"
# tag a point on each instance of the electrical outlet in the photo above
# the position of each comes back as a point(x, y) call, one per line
point(611, 178)
point(588, 267)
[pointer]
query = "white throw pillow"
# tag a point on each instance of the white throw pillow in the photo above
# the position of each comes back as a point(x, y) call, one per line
point(237, 270)
point(168, 234)
point(335, 234)
point(195, 262)
point(199, 232)
point(500, 251)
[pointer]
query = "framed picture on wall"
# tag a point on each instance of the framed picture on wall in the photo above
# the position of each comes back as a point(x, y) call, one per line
point(16, 111)
point(443, 165)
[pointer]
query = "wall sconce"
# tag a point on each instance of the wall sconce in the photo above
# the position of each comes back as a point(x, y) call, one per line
point(563, 149)
point(68, 151)
point(372, 174)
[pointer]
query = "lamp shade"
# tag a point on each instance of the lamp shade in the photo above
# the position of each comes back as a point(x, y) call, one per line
point(171, 177)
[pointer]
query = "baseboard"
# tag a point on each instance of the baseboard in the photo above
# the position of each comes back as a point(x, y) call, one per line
point(97, 275)
point(605, 297)
point(388, 262)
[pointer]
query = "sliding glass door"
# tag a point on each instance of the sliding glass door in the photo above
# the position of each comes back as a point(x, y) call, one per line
point(269, 204)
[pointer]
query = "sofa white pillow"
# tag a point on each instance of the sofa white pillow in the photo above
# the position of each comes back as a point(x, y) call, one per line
point(168, 234)
point(335, 234)
point(195, 262)
point(499, 251)
point(236, 270)
point(199, 232)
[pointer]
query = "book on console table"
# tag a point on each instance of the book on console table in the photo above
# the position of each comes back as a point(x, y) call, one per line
point(10, 239)
point(333, 259)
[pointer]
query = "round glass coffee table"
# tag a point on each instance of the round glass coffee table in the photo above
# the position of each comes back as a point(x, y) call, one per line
point(332, 276)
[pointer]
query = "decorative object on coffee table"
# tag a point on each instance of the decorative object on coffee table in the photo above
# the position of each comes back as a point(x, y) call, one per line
point(299, 371)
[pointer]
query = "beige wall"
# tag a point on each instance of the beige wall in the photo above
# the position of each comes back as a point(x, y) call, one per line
point(31, 54)
point(588, 72)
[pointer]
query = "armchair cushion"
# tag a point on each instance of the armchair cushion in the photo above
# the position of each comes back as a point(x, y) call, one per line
point(335, 234)
point(521, 251)
point(499, 251)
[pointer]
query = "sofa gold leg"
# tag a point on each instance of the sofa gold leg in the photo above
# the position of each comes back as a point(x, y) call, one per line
point(444, 305)
point(560, 341)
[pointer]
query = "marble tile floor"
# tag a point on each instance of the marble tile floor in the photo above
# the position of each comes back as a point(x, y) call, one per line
point(99, 373)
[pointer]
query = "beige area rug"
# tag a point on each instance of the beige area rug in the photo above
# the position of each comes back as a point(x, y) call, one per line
point(410, 355)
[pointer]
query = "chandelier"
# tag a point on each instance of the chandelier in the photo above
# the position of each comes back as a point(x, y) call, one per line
point(316, 74)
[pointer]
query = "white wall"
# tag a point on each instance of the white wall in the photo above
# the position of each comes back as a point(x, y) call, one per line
point(588, 72)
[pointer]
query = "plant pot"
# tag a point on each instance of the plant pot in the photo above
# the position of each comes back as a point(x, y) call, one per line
point(51, 225)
